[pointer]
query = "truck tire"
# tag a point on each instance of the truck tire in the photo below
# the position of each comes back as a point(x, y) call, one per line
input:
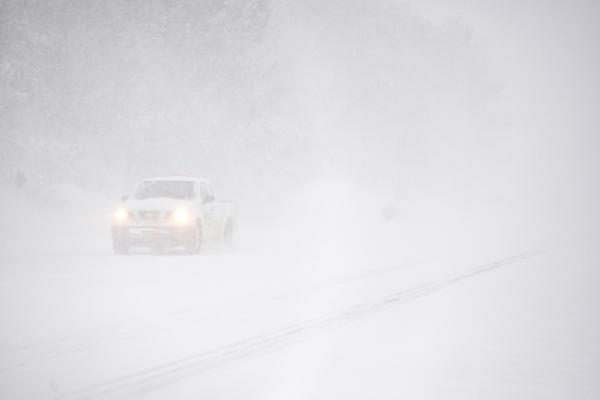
point(196, 244)
point(228, 234)
point(120, 247)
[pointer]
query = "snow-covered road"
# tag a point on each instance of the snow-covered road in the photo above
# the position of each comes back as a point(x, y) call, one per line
point(259, 322)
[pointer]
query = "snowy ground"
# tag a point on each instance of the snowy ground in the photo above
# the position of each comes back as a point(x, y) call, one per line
point(285, 317)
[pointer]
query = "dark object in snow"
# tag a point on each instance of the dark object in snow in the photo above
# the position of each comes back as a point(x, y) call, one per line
point(388, 213)
point(20, 179)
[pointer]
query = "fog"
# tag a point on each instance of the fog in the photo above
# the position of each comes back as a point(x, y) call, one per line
point(364, 149)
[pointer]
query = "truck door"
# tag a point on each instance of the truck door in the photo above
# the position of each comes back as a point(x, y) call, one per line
point(210, 228)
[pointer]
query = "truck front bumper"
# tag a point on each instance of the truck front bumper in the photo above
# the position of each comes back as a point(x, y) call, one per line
point(153, 235)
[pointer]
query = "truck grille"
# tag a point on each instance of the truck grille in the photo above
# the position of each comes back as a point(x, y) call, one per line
point(148, 215)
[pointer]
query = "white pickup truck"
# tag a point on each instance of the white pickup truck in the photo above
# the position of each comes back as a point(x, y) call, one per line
point(172, 211)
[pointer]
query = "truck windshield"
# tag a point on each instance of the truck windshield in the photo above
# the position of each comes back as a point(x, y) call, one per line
point(166, 189)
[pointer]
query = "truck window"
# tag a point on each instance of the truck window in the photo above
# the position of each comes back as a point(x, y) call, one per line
point(166, 189)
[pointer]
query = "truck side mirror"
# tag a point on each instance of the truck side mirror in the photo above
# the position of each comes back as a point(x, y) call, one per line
point(124, 197)
point(209, 198)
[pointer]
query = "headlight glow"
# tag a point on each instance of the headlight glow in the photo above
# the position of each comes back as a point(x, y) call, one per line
point(182, 216)
point(121, 215)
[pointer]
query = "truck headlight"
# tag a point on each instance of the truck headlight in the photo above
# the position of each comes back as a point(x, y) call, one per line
point(120, 215)
point(182, 216)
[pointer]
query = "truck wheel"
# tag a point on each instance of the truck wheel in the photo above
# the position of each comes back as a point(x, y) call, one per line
point(228, 235)
point(196, 244)
point(120, 247)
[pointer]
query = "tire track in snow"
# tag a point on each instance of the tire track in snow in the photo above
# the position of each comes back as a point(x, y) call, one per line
point(62, 345)
point(163, 374)
point(55, 346)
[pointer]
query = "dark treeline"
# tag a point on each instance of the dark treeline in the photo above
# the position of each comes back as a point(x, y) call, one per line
point(247, 92)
